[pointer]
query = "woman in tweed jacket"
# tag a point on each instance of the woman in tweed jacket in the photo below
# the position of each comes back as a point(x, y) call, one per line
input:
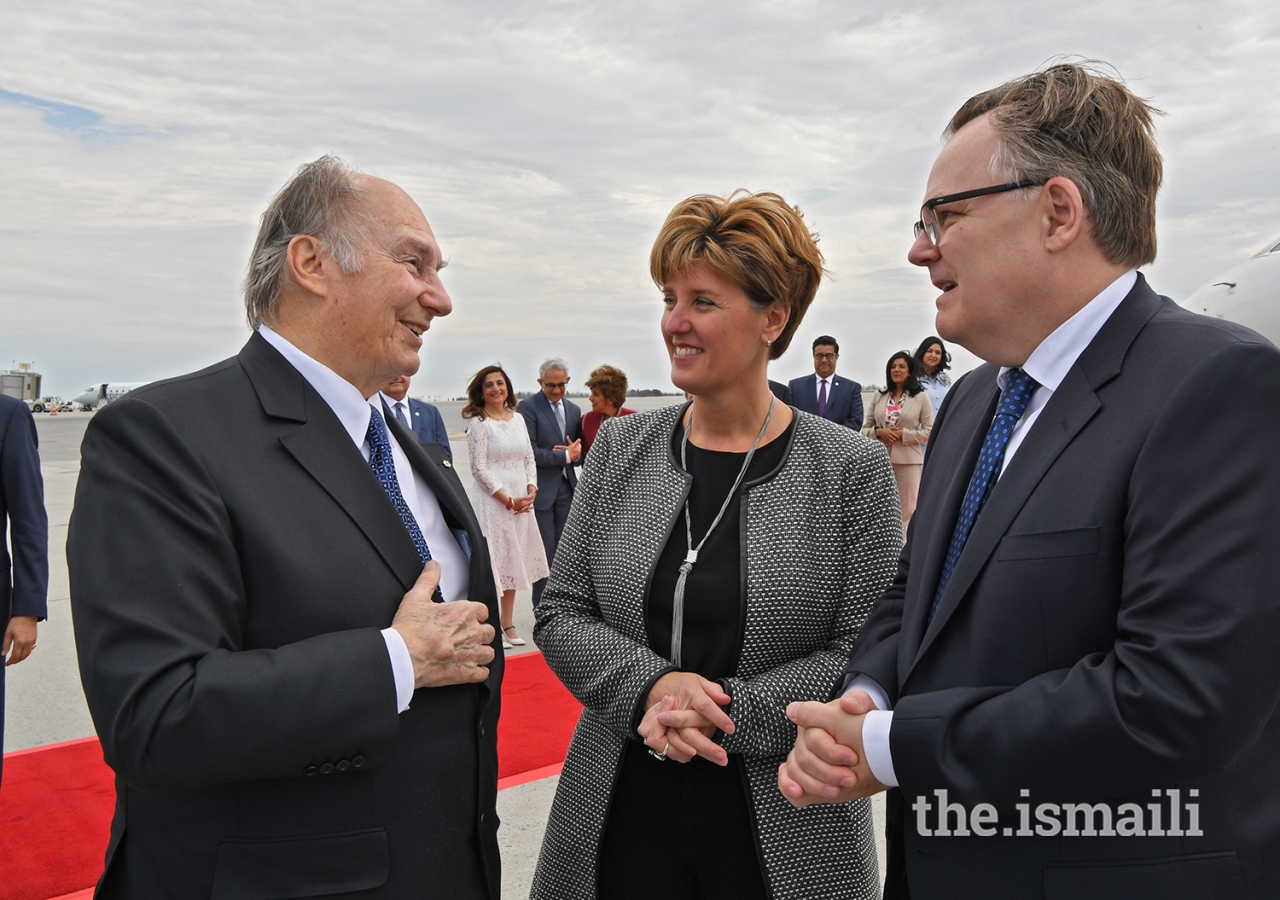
point(808, 539)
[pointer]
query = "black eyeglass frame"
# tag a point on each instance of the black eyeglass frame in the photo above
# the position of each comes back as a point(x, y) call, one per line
point(928, 223)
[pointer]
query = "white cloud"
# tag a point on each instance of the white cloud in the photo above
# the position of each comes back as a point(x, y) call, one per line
point(546, 141)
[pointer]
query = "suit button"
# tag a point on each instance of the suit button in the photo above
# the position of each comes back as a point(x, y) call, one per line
point(327, 769)
point(310, 770)
point(357, 762)
point(344, 764)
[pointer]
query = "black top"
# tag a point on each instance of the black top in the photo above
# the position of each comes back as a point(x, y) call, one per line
point(714, 591)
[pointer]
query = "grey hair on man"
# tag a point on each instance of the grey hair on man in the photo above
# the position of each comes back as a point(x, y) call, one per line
point(553, 362)
point(1075, 120)
point(323, 199)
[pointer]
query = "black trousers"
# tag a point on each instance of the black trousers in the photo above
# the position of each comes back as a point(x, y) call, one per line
point(550, 525)
point(680, 832)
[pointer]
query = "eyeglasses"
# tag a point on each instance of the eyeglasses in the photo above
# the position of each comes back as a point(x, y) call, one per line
point(555, 385)
point(825, 355)
point(929, 224)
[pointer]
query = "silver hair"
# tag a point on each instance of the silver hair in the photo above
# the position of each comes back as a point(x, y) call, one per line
point(550, 363)
point(322, 200)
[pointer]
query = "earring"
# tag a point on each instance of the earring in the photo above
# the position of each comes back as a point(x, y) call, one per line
point(768, 343)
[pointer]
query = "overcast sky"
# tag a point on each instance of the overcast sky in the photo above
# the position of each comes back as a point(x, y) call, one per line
point(546, 141)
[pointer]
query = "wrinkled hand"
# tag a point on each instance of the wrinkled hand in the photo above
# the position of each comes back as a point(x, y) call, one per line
point(685, 709)
point(21, 637)
point(448, 642)
point(575, 449)
point(827, 764)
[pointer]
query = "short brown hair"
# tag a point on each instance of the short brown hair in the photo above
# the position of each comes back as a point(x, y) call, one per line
point(1071, 120)
point(611, 383)
point(475, 392)
point(757, 241)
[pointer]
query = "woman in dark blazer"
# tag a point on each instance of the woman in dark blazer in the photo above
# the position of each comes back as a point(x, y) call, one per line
point(717, 564)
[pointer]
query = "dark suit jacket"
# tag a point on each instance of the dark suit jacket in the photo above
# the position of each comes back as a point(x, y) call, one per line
point(781, 391)
point(1110, 628)
point(428, 425)
point(232, 560)
point(544, 433)
point(844, 401)
point(24, 586)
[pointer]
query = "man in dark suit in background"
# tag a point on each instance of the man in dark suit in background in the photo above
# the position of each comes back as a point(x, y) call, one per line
point(555, 430)
point(419, 416)
point(1085, 619)
point(825, 395)
point(24, 587)
point(254, 554)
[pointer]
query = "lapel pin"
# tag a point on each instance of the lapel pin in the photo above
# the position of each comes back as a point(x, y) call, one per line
point(447, 464)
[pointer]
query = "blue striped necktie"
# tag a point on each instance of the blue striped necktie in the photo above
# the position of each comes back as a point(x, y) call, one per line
point(1018, 388)
point(384, 466)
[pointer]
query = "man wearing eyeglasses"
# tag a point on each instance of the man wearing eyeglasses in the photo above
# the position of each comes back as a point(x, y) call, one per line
point(825, 395)
point(555, 430)
point(1083, 630)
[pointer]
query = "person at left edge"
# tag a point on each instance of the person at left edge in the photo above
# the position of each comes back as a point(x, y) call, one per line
point(24, 588)
point(421, 417)
point(555, 430)
point(287, 712)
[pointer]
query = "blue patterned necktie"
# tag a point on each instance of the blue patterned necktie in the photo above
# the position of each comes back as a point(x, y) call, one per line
point(1018, 387)
point(384, 466)
point(399, 411)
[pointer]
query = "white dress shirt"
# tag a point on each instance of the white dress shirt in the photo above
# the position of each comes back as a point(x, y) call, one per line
point(392, 403)
point(354, 412)
point(557, 409)
point(1048, 364)
point(817, 392)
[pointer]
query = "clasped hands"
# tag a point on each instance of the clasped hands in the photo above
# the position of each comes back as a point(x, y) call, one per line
point(517, 504)
point(682, 712)
point(449, 643)
point(827, 764)
point(888, 435)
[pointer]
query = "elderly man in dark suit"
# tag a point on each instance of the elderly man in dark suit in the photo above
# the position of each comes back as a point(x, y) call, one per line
point(419, 416)
point(280, 595)
point(823, 393)
point(24, 587)
point(555, 431)
point(1071, 685)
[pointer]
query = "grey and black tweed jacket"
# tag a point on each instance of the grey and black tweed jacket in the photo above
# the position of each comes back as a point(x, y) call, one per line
point(821, 537)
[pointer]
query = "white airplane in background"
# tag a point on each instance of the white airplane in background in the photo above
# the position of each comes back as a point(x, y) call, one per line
point(101, 394)
point(1247, 294)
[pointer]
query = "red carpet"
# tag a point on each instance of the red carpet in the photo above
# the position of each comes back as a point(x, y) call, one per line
point(56, 802)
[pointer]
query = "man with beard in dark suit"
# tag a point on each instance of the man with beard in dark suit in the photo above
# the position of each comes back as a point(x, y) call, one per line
point(280, 596)
point(1070, 687)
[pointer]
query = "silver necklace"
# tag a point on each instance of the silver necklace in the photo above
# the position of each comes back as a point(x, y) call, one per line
point(691, 557)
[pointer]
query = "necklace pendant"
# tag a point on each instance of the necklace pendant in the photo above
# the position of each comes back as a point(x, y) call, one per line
point(692, 557)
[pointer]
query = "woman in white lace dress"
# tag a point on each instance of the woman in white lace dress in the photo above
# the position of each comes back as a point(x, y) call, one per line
point(506, 481)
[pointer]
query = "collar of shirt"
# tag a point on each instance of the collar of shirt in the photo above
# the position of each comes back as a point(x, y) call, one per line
point(343, 398)
point(1050, 362)
point(392, 402)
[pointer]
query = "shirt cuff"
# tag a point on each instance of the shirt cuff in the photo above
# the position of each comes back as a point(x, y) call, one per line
point(402, 668)
point(567, 460)
point(875, 745)
point(873, 689)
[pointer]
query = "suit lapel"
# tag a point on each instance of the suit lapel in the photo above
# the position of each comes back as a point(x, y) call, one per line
point(325, 450)
point(953, 466)
point(1070, 408)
